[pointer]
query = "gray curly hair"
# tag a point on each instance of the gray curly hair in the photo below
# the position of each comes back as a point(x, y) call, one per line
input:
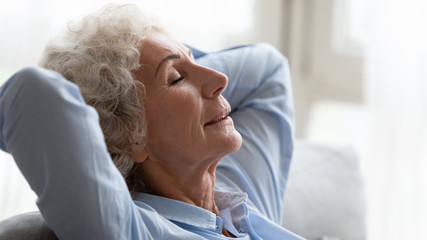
point(101, 54)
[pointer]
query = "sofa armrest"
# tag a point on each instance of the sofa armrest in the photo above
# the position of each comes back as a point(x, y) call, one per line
point(26, 226)
point(325, 193)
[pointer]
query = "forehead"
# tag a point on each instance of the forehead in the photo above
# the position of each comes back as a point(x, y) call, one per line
point(157, 46)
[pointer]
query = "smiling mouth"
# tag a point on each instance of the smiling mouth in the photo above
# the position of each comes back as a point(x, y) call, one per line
point(217, 120)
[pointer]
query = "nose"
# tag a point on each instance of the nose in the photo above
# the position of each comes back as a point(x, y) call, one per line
point(212, 82)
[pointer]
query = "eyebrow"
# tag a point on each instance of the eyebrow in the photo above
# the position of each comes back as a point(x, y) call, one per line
point(170, 57)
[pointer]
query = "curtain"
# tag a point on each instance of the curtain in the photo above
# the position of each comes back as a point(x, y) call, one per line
point(396, 95)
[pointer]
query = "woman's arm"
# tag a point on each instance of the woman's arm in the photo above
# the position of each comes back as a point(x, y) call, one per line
point(58, 145)
point(260, 95)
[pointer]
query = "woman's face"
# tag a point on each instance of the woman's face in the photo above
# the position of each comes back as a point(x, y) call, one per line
point(187, 117)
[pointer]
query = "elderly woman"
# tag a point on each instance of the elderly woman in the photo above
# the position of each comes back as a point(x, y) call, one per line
point(166, 122)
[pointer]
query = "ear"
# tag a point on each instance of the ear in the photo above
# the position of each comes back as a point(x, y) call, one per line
point(139, 155)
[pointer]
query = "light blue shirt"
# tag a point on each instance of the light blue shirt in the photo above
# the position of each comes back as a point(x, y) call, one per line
point(57, 143)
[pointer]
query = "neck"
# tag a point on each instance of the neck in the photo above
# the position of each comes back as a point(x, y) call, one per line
point(193, 185)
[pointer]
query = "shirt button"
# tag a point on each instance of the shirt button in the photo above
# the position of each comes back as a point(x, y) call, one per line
point(216, 226)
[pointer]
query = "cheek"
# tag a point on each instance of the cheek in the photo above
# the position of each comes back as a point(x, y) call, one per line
point(172, 116)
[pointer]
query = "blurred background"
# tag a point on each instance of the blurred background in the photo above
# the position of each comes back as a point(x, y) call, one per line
point(359, 72)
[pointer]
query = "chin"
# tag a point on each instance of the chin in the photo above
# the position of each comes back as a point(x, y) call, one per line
point(227, 145)
point(236, 142)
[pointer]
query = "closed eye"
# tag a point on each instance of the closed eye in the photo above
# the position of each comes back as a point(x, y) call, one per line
point(177, 80)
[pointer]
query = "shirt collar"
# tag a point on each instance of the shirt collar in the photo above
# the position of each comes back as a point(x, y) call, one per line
point(182, 212)
point(229, 199)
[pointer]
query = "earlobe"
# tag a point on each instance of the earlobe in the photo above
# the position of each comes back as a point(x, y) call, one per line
point(139, 155)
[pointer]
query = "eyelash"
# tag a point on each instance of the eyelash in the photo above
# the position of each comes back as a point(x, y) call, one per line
point(177, 80)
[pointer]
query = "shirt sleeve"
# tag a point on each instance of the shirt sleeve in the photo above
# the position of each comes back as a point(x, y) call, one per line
point(58, 145)
point(260, 95)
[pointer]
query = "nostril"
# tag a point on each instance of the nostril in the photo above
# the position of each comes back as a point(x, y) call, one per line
point(218, 91)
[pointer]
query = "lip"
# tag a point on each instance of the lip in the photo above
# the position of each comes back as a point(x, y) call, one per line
point(219, 117)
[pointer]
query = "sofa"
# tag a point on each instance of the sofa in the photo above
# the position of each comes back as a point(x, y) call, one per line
point(324, 198)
